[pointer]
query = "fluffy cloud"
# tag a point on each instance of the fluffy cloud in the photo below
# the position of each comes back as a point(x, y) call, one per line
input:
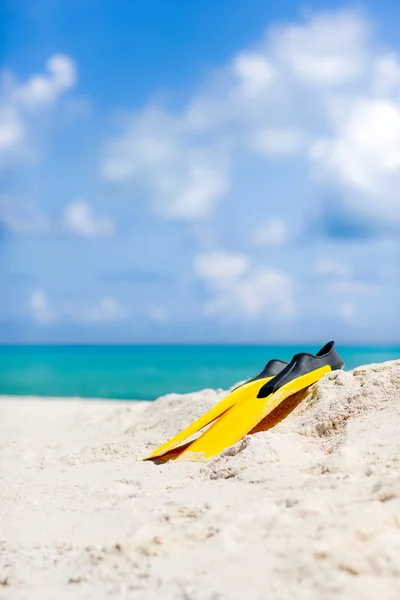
point(20, 103)
point(23, 218)
point(12, 129)
point(158, 314)
point(40, 308)
point(237, 288)
point(254, 70)
point(40, 91)
point(363, 157)
point(339, 278)
point(329, 50)
point(79, 219)
point(220, 265)
point(106, 310)
point(184, 180)
point(318, 90)
point(332, 269)
point(278, 142)
point(271, 233)
point(347, 311)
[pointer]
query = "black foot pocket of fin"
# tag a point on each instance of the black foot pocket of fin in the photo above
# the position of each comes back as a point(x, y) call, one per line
point(301, 364)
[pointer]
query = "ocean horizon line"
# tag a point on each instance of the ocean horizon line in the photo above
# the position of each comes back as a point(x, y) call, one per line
point(352, 344)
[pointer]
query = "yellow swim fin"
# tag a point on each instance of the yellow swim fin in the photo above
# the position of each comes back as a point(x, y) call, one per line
point(304, 370)
point(249, 388)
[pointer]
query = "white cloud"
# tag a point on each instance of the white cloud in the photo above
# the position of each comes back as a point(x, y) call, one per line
point(197, 195)
point(20, 103)
point(79, 219)
point(254, 70)
point(386, 75)
point(220, 265)
point(329, 50)
point(364, 157)
point(347, 311)
point(351, 287)
point(22, 218)
point(40, 308)
point(278, 142)
point(12, 129)
point(184, 182)
point(319, 90)
point(260, 291)
point(158, 314)
point(43, 90)
point(332, 269)
point(238, 289)
point(338, 278)
point(271, 233)
point(108, 309)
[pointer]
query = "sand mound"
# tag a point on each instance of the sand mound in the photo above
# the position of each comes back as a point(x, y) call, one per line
point(333, 425)
point(320, 413)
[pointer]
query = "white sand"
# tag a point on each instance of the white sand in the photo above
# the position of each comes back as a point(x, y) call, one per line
point(307, 510)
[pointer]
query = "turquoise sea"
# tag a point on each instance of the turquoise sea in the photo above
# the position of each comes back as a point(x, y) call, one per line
point(146, 372)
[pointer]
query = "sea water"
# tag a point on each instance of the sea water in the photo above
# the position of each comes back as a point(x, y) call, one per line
point(147, 372)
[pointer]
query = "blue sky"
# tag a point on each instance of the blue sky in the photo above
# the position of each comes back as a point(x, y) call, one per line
point(199, 172)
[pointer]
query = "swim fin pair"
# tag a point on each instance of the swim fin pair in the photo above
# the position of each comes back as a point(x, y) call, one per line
point(237, 414)
point(248, 388)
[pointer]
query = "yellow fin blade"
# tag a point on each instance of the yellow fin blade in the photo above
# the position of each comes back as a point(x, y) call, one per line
point(243, 417)
point(237, 395)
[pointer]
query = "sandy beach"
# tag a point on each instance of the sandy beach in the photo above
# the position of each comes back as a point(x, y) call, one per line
point(309, 509)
